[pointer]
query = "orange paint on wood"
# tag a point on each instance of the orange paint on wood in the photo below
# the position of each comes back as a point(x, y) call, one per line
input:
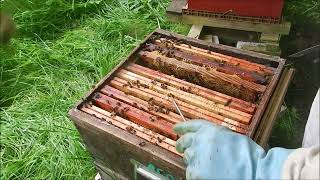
point(262, 69)
point(158, 124)
point(140, 104)
point(229, 84)
point(189, 111)
point(189, 98)
point(139, 131)
point(193, 88)
point(203, 61)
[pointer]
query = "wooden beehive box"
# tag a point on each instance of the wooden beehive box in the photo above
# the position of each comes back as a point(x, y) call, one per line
point(128, 116)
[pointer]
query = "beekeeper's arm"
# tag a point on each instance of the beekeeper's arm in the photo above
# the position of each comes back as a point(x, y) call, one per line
point(215, 152)
point(304, 163)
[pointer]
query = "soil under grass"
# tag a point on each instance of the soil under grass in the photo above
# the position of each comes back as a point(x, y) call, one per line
point(62, 48)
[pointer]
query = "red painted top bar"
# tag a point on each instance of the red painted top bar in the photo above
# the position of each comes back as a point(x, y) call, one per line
point(258, 8)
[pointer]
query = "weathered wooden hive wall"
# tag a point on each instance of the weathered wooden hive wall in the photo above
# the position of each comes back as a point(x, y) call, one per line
point(215, 83)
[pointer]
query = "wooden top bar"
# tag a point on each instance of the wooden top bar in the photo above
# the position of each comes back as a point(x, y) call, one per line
point(139, 130)
point(138, 116)
point(188, 97)
point(218, 81)
point(193, 88)
point(190, 111)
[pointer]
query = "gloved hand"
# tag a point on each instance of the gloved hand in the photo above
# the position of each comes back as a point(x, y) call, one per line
point(215, 152)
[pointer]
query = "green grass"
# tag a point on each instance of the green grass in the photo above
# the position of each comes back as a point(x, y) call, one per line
point(286, 128)
point(61, 49)
point(49, 66)
point(302, 11)
point(285, 123)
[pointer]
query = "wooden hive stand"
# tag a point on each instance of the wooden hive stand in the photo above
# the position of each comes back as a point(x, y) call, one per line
point(254, 34)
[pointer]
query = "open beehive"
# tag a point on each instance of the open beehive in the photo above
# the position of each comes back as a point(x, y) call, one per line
point(223, 85)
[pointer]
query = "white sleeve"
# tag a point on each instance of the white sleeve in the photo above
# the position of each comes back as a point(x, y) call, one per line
point(302, 163)
point(311, 131)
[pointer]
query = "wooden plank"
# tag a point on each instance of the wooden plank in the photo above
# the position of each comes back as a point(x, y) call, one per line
point(221, 82)
point(190, 111)
point(141, 104)
point(209, 38)
point(175, 7)
point(125, 125)
point(282, 28)
point(188, 97)
point(223, 49)
point(264, 70)
point(195, 100)
point(157, 57)
point(268, 37)
point(99, 136)
point(138, 116)
point(195, 31)
point(193, 88)
point(134, 125)
point(139, 131)
point(265, 48)
point(217, 64)
point(264, 129)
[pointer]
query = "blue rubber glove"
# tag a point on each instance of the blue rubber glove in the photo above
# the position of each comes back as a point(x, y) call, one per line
point(215, 152)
